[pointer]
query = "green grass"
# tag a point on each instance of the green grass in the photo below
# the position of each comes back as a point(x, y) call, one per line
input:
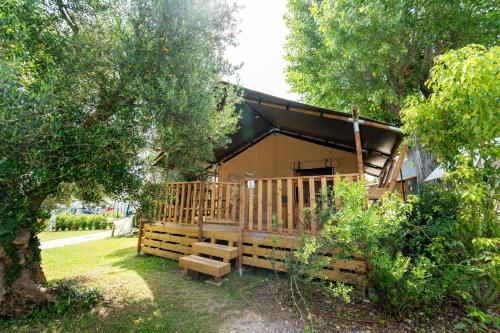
point(144, 294)
point(51, 235)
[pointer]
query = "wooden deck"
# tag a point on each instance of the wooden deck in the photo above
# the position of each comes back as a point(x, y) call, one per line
point(257, 248)
point(263, 218)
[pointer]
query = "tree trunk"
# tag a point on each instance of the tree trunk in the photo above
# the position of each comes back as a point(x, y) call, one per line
point(423, 161)
point(21, 275)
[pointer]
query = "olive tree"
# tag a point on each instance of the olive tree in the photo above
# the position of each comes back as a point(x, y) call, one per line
point(87, 89)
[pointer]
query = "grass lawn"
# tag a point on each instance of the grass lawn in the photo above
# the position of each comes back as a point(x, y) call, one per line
point(150, 294)
point(51, 235)
point(143, 294)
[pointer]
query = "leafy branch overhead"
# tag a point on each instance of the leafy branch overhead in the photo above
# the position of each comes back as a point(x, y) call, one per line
point(374, 54)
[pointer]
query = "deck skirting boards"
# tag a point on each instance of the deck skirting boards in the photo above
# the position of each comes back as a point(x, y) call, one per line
point(260, 249)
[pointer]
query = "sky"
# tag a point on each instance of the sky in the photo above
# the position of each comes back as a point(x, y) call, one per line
point(261, 47)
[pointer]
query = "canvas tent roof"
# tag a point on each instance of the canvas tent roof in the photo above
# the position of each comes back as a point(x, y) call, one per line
point(264, 114)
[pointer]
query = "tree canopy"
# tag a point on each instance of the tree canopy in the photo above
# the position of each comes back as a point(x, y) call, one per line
point(460, 124)
point(374, 54)
point(87, 89)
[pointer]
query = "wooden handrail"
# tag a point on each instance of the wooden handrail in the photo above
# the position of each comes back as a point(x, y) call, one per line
point(345, 175)
point(271, 199)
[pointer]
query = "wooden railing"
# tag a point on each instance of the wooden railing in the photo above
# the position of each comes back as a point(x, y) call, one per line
point(279, 204)
point(180, 202)
point(221, 202)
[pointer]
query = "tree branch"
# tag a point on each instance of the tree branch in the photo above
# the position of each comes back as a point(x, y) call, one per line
point(107, 108)
point(427, 62)
point(63, 10)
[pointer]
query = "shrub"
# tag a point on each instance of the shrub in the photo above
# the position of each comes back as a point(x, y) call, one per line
point(71, 223)
point(433, 217)
point(76, 222)
point(409, 269)
point(84, 224)
point(401, 282)
point(94, 220)
point(61, 221)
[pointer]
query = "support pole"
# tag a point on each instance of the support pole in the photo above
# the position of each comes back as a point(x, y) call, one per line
point(389, 173)
point(357, 139)
point(381, 178)
point(200, 211)
point(241, 227)
point(401, 158)
point(139, 240)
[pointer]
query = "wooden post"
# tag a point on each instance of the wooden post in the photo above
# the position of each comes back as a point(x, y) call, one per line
point(139, 240)
point(200, 211)
point(357, 139)
point(312, 204)
point(401, 158)
point(381, 178)
point(241, 225)
point(389, 173)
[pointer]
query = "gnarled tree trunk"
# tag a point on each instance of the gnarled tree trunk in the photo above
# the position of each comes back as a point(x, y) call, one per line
point(21, 275)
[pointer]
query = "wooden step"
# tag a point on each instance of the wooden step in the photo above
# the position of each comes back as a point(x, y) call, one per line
point(205, 265)
point(222, 251)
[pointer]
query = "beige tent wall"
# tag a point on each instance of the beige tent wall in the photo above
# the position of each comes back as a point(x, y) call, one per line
point(275, 156)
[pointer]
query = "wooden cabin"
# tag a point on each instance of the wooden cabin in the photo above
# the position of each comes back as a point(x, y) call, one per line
point(283, 159)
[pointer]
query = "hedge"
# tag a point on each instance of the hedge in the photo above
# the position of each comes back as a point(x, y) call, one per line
point(81, 222)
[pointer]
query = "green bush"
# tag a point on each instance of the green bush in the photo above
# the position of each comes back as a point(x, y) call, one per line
point(94, 222)
point(407, 245)
point(80, 222)
point(115, 215)
point(62, 222)
point(401, 281)
point(433, 217)
point(84, 224)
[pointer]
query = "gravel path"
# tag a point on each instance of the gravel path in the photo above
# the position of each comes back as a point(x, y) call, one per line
point(74, 240)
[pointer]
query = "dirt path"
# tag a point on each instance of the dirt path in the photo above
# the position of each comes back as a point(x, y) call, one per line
point(74, 240)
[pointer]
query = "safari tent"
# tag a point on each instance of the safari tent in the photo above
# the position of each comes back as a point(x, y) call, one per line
point(283, 159)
